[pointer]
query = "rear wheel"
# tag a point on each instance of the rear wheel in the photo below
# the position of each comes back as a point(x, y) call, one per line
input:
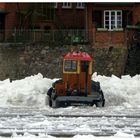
point(101, 103)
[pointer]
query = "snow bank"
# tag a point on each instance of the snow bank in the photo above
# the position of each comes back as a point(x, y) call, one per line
point(124, 91)
point(30, 91)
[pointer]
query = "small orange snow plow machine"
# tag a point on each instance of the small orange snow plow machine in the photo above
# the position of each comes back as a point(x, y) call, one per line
point(76, 87)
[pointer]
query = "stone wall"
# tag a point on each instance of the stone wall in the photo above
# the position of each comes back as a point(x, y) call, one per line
point(133, 61)
point(108, 61)
point(18, 60)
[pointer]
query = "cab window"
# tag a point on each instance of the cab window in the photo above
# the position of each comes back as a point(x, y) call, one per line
point(70, 65)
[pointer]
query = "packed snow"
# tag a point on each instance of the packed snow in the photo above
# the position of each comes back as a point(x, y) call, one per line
point(31, 91)
point(119, 93)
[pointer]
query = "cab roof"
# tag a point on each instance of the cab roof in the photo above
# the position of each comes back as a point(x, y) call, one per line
point(78, 56)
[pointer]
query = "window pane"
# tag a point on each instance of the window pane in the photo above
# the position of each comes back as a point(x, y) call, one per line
point(119, 18)
point(107, 18)
point(70, 65)
point(118, 13)
point(67, 65)
point(106, 13)
point(113, 13)
point(107, 22)
point(112, 26)
point(113, 22)
point(74, 65)
point(113, 18)
point(107, 26)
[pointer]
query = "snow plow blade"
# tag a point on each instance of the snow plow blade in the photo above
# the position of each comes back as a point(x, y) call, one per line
point(63, 101)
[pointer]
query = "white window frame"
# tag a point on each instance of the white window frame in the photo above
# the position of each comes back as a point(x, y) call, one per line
point(80, 5)
point(116, 19)
point(55, 5)
point(66, 5)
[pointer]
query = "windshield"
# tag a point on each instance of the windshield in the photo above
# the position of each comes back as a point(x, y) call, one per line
point(70, 65)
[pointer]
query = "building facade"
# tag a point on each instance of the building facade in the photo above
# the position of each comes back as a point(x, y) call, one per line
point(40, 16)
point(105, 24)
point(112, 24)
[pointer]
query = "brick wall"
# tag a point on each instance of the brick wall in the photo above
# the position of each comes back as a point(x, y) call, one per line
point(11, 19)
point(109, 37)
point(136, 13)
point(71, 18)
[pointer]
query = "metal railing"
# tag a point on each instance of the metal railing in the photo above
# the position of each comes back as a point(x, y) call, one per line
point(49, 36)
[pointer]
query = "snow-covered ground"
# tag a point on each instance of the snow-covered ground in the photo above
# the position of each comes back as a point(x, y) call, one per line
point(121, 95)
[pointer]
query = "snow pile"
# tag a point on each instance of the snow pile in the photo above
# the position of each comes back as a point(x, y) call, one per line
point(124, 91)
point(30, 91)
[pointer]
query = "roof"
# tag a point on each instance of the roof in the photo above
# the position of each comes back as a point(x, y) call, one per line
point(78, 56)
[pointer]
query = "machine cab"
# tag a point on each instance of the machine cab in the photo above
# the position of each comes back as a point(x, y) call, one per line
point(75, 63)
point(76, 86)
point(77, 71)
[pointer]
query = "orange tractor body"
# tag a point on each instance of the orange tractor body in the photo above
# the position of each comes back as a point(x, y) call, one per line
point(76, 87)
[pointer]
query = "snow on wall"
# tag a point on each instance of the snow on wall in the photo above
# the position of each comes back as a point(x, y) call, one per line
point(32, 90)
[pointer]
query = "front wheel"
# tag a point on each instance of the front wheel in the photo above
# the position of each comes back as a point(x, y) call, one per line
point(55, 104)
point(99, 104)
point(53, 100)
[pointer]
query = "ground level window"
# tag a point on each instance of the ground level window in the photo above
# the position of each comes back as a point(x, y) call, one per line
point(70, 65)
point(112, 19)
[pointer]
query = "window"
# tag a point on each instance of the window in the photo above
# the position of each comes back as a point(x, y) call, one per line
point(70, 65)
point(112, 19)
point(80, 5)
point(66, 5)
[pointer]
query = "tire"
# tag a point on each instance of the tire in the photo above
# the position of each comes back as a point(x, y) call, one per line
point(101, 103)
point(95, 86)
point(50, 91)
point(53, 100)
point(48, 101)
point(55, 104)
